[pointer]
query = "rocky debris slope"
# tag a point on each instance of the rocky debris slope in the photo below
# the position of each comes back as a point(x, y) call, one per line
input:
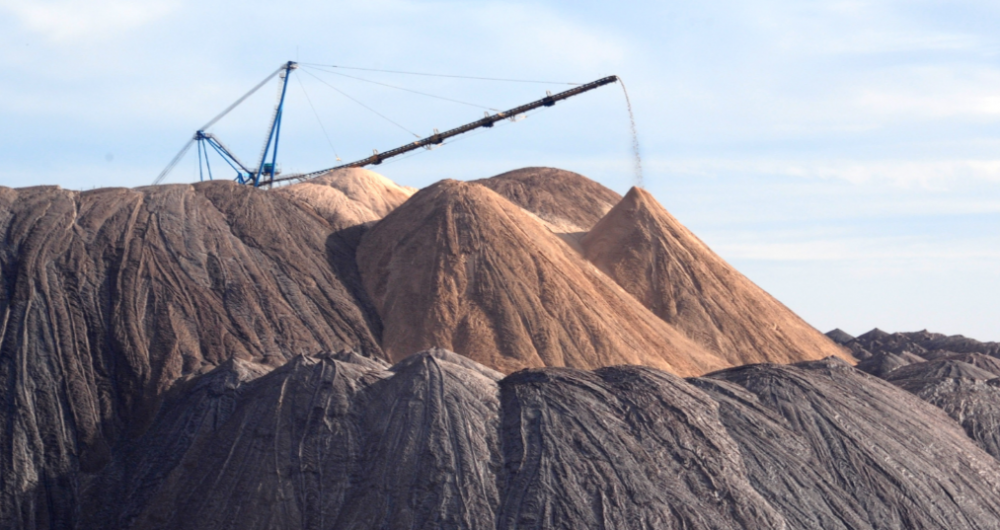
point(957, 374)
point(460, 267)
point(882, 353)
point(970, 396)
point(438, 441)
point(673, 273)
point(922, 344)
point(110, 296)
point(834, 448)
point(883, 364)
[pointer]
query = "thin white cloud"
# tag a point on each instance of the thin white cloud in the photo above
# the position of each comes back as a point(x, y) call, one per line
point(932, 92)
point(65, 21)
point(865, 28)
point(929, 175)
point(861, 249)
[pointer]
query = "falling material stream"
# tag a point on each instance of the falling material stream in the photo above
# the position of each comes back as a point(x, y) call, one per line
point(636, 159)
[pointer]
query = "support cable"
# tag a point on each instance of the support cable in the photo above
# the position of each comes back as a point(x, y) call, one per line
point(241, 100)
point(319, 121)
point(173, 163)
point(362, 104)
point(409, 90)
point(444, 75)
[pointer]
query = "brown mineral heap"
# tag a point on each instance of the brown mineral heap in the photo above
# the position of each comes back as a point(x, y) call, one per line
point(348, 197)
point(663, 265)
point(215, 356)
point(460, 267)
point(567, 202)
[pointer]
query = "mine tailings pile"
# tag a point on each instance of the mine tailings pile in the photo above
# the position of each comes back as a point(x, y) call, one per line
point(525, 350)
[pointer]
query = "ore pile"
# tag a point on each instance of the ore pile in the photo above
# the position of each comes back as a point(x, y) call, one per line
point(161, 352)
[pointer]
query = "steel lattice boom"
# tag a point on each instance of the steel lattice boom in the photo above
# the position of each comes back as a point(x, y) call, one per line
point(438, 138)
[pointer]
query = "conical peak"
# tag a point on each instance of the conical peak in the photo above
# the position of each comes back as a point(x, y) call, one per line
point(450, 196)
point(235, 369)
point(673, 273)
point(641, 221)
point(637, 194)
point(450, 189)
point(874, 334)
point(839, 336)
point(639, 203)
point(642, 202)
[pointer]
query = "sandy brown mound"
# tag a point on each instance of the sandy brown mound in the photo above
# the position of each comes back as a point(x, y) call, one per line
point(460, 267)
point(566, 201)
point(660, 262)
point(348, 197)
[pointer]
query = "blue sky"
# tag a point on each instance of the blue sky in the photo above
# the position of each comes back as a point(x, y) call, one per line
point(844, 155)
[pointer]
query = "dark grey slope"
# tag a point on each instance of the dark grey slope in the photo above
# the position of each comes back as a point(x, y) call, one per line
point(899, 462)
point(979, 360)
point(621, 447)
point(324, 443)
point(883, 363)
point(939, 369)
point(781, 464)
point(878, 341)
point(109, 296)
point(882, 352)
point(953, 373)
point(282, 460)
point(953, 343)
point(924, 344)
point(970, 395)
point(437, 441)
point(431, 439)
point(975, 404)
point(321, 443)
point(192, 410)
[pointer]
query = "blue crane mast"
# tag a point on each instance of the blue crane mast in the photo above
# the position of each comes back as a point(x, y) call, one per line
point(263, 172)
